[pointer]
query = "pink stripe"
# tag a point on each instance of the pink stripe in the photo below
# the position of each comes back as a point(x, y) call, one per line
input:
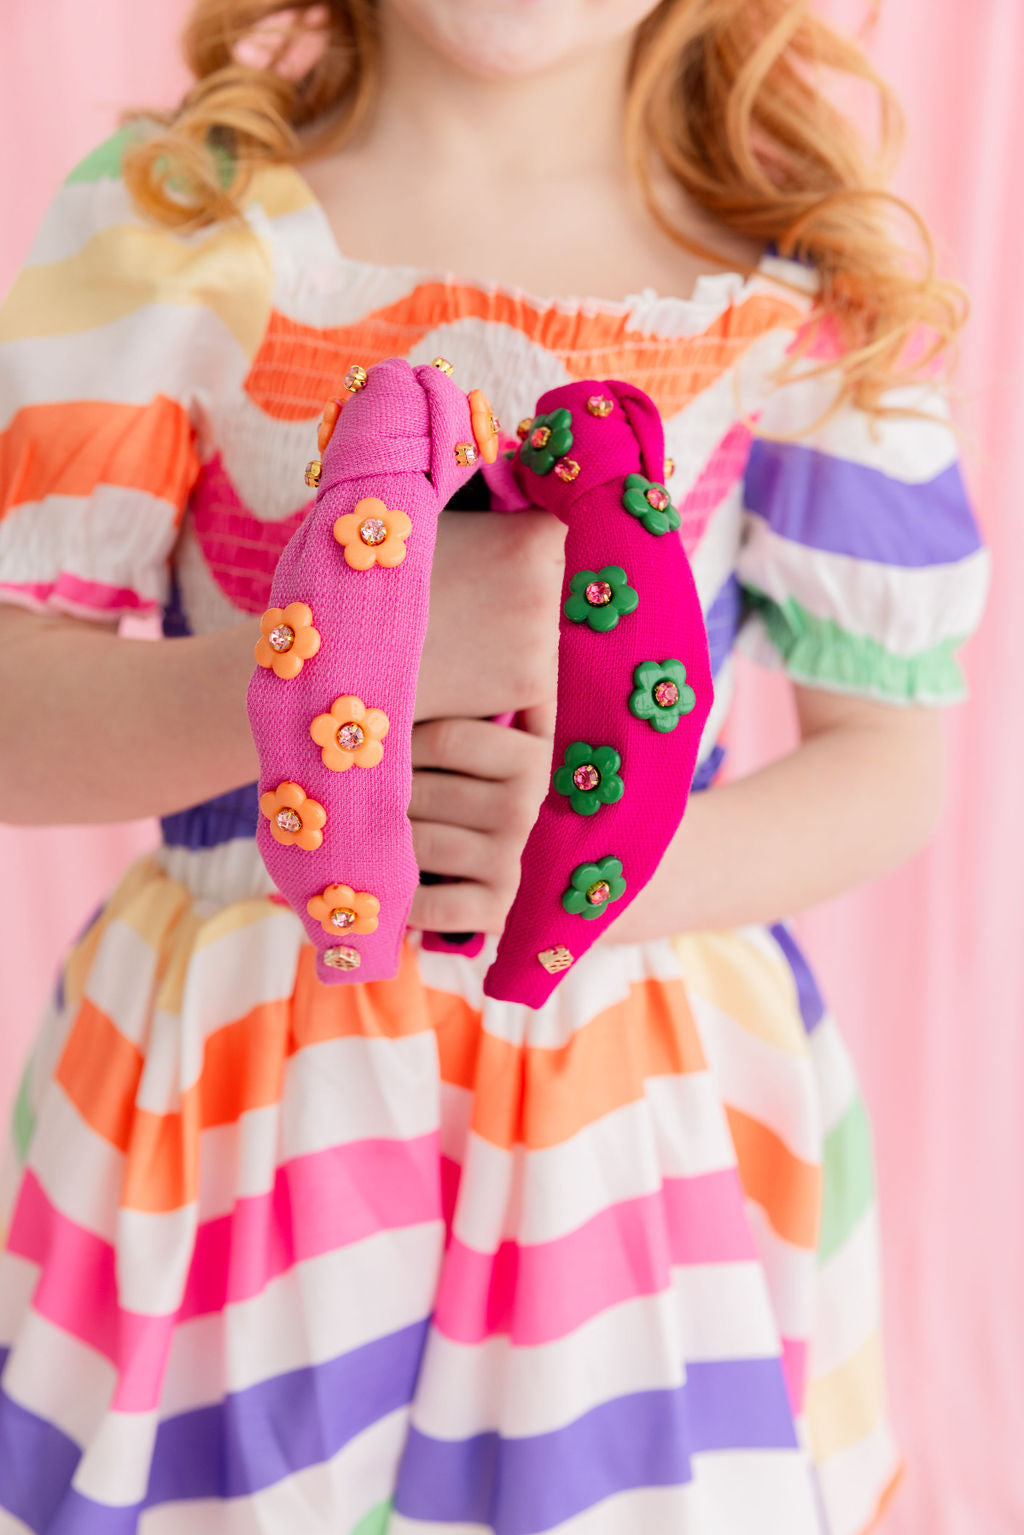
point(74, 595)
point(794, 1368)
point(543, 1291)
point(240, 550)
point(320, 1203)
point(712, 485)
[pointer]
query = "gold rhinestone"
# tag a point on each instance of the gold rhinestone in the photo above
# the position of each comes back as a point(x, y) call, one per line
point(465, 453)
point(522, 430)
point(495, 424)
point(342, 957)
point(355, 378)
point(567, 469)
point(600, 405)
point(670, 468)
point(555, 959)
point(444, 365)
point(312, 475)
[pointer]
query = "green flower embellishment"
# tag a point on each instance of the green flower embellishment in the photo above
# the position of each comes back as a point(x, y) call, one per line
point(600, 598)
point(661, 694)
point(549, 439)
point(651, 503)
point(592, 886)
point(590, 777)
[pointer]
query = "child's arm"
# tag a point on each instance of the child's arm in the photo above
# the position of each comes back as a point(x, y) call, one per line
point(101, 728)
point(860, 795)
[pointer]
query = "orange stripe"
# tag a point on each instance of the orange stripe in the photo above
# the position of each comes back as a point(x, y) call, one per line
point(787, 1188)
point(68, 449)
point(535, 1097)
point(298, 366)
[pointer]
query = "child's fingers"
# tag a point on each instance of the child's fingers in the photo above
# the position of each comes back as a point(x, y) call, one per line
point(456, 800)
point(452, 850)
point(476, 748)
point(465, 907)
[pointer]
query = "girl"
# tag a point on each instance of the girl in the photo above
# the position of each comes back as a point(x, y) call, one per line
point(389, 1257)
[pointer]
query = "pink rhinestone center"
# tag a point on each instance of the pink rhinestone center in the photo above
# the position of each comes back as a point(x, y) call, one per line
point(372, 531)
point(599, 891)
point(666, 694)
point(355, 377)
point(586, 776)
point(282, 637)
point(567, 469)
point(350, 736)
point(343, 917)
point(540, 437)
point(598, 594)
point(289, 820)
point(600, 405)
point(342, 957)
point(657, 498)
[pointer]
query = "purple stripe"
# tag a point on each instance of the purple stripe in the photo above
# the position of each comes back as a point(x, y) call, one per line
point(524, 1485)
point(829, 503)
point(250, 1440)
point(214, 821)
point(257, 1437)
point(812, 1004)
point(722, 621)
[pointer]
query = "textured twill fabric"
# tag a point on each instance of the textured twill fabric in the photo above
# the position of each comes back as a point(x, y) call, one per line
point(395, 1258)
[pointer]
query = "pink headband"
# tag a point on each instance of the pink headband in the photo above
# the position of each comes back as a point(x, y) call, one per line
point(331, 701)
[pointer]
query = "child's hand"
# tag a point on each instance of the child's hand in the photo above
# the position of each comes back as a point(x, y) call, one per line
point(476, 790)
point(492, 641)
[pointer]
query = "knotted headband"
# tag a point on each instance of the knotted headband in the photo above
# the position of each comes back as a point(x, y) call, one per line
point(331, 701)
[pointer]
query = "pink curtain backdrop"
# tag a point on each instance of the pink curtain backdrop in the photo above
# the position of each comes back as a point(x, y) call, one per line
point(925, 969)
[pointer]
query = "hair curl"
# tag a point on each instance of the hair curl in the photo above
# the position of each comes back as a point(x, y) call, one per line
point(731, 97)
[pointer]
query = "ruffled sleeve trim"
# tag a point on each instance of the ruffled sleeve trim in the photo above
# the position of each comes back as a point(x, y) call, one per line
point(819, 653)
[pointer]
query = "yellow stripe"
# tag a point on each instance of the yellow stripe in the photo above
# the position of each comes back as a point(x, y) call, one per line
point(128, 266)
point(846, 1405)
point(756, 991)
point(279, 189)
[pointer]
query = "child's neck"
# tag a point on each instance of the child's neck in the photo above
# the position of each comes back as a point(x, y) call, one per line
point(519, 180)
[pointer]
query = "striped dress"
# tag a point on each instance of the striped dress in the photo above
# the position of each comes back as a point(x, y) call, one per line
point(393, 1258)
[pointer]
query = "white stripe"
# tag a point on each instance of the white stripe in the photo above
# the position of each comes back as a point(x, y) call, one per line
point(541, 1195)
point(837, 1085)
point(712, 1312)
point(853, 1482)
point(117, 536)
point(115, 1466)
point(320, 1309)
point(903, 608)
point(848, 1307)
point(55, 1376)
point(724, 686)
point(791, 1274)
point(774, 1087)
point(905, 448)
point(78, 212)
point(601, 980)
point(156, 348)
point(328, 1499)
point(85, 1185)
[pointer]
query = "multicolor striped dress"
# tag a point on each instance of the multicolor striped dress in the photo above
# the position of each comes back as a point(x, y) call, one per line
point(394, 1258)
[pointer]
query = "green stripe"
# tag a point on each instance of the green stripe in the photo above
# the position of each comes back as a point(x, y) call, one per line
point(849, 1178)
point(104, 163)
point(819, 650)
point(376, 1521)
point(23, 1120)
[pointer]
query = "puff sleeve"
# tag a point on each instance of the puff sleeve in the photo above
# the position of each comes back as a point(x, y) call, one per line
point(861, 564)
point(114, 340)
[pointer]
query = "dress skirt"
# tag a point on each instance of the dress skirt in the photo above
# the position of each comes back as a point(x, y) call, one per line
point(389, 1258)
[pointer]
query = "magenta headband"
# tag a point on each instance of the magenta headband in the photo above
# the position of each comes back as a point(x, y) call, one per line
point(331, 701)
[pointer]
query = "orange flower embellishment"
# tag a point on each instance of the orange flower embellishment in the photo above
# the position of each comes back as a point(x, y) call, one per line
point(294, 819)
point(350, 735)
point(340, 909)
point(287, 639)
point(373, 535)
point(328, 421)
point(485, 425)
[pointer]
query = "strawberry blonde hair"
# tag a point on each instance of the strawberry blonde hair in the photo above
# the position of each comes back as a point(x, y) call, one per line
point(732, 97)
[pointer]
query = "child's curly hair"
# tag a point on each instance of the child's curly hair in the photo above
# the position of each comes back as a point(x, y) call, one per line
point(729, 95)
